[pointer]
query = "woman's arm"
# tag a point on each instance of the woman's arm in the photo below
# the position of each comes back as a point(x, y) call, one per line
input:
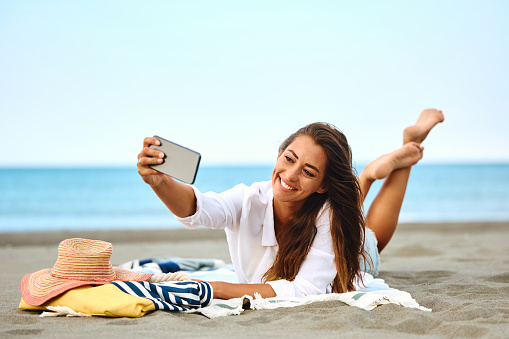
point(224, 290)
point(178, 197)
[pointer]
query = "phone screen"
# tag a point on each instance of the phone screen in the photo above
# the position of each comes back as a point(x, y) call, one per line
point(179, 162)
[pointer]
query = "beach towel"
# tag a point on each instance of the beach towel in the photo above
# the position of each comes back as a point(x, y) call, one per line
point(364, 300)
point(368, 295)
point(373, 293)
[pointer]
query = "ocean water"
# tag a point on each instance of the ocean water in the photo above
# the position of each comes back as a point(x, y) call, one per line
point(117, 198)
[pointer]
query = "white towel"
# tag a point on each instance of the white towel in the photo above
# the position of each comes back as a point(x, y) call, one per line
point(372, 293)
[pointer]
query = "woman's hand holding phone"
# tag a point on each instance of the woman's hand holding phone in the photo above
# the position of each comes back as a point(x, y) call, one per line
point(178, 197)
point(150, 156)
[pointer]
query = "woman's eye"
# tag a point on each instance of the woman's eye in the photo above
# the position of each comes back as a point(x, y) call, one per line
point(308, 173)
point(288, 158)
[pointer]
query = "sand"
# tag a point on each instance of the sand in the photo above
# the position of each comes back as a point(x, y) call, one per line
point(461, 271)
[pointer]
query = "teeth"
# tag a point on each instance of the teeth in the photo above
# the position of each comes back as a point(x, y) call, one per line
point(285, 185)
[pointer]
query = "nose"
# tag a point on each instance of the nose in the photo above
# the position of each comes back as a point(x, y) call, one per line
point(292, 173)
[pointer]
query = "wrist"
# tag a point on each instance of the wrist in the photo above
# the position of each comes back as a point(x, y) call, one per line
point(217, 289)
point(159, 181)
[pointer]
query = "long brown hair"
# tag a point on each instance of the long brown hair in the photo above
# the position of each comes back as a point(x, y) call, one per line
point(347, 223)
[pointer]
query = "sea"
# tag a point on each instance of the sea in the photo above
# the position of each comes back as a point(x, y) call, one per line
point(86, 199)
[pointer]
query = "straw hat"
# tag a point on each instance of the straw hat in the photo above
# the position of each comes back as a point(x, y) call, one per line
point(80, 262)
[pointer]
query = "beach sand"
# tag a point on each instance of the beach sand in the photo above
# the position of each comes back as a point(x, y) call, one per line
point(461, 271)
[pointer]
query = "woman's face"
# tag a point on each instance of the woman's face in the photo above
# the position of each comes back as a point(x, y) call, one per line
point(299, 170)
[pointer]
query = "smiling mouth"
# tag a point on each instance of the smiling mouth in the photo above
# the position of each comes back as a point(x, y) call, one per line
point(285, 185)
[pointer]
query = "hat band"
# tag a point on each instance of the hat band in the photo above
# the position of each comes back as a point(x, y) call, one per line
point(96, 271)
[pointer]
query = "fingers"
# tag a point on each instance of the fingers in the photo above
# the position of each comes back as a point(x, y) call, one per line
point(148, 155)
point(145, 161)
point(146, 171)
point(151, 141)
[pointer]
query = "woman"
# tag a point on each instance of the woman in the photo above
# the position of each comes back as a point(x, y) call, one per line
point(303, 232)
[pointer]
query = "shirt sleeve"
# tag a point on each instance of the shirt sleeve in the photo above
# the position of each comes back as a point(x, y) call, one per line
point(317, 271)
point(216, 211)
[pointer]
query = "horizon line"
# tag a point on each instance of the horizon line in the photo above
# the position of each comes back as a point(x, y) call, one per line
point(227, 164)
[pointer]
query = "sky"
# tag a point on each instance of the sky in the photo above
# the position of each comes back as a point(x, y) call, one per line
point(83, 82)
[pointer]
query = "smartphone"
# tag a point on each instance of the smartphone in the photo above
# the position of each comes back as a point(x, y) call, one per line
point(179, 162)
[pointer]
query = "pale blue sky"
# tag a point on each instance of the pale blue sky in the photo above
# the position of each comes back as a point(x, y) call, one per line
point(83, 82)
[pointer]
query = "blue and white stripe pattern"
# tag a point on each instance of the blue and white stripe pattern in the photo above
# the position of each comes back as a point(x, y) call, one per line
point(170, 296)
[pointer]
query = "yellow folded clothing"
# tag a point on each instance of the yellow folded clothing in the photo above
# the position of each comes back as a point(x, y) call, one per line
point(106, 300)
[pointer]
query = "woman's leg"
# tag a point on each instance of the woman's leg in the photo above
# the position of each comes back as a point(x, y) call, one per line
point(383, 214)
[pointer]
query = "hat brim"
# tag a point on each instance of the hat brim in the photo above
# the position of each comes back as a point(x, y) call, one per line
point(41, 286)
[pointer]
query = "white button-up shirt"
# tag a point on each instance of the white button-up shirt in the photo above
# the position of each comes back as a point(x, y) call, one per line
point(247, 215)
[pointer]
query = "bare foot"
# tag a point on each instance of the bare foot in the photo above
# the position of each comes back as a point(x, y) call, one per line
point(409, 154)
point(427, 120)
